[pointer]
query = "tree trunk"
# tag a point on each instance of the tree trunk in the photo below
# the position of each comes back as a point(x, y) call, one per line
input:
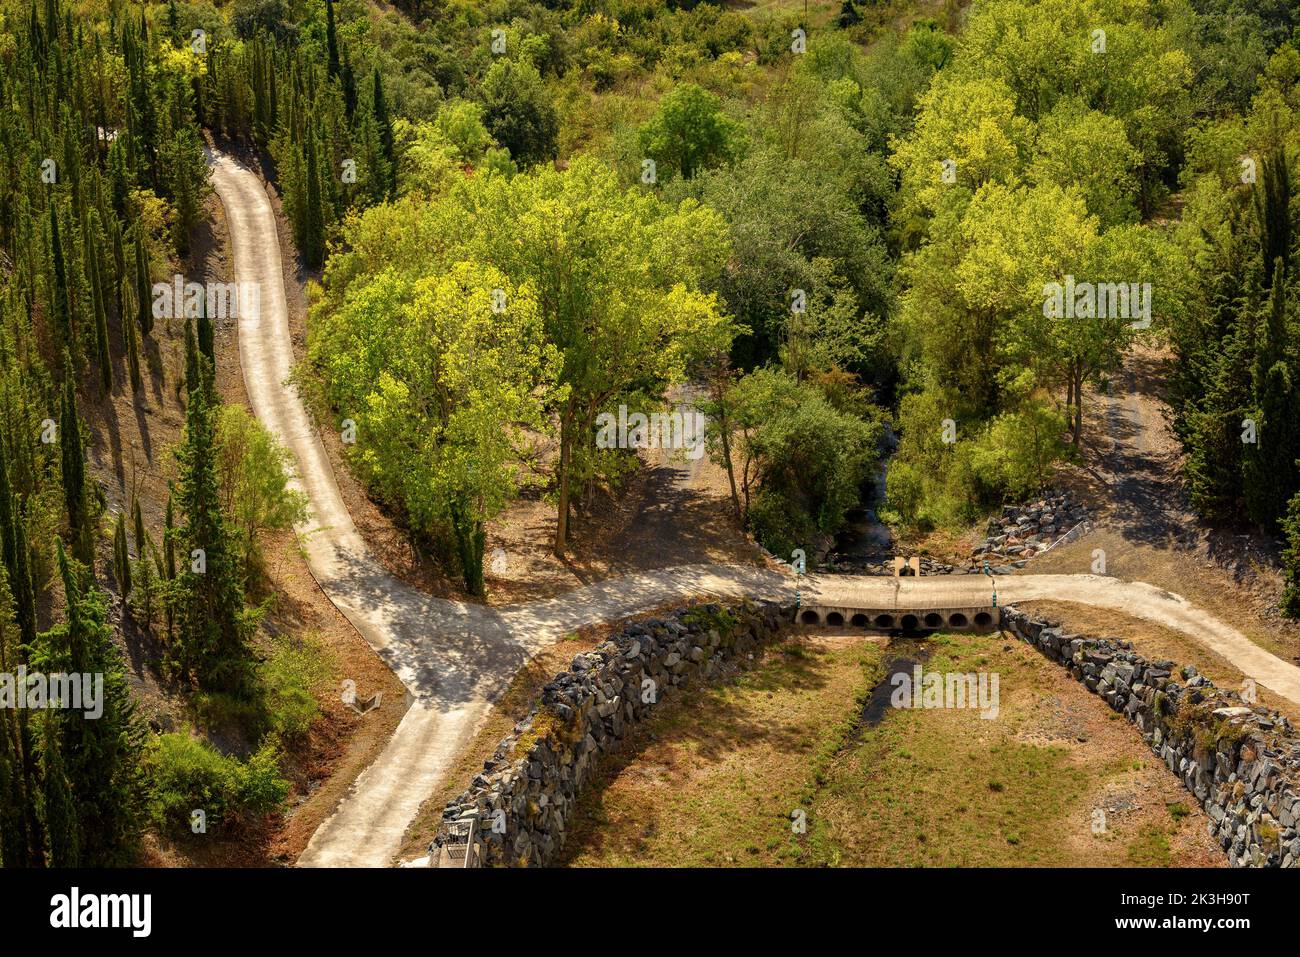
point(1078, 410)
point(562, 517)
point(470, 536)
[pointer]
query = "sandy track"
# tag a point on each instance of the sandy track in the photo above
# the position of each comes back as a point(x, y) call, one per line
point(456, 658)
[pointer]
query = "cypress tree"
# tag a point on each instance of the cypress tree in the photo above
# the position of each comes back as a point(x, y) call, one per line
point(211, 620)
point(1273, 210)
point(1270, 477)
point(386, 140)
point(99, 756)
point(314, 229)
point(15, 804)
point(349, 84)
point(331, 41)
point(102, 357)
point(73, 466)
point(60, 813)
point(131, 346)
point(207, 342)
point(1291, 557)
point(168, 571)
point(137, 520)
point(121, 557)
point(13, 830)
point(143, 289)
point(61, 307)
point(17, 569)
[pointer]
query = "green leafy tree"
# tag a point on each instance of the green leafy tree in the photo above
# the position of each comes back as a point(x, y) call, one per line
point(689, 132)
point(519, 112)
point(253, 475)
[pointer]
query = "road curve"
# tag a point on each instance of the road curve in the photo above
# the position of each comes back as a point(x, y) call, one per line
point(451, 679)
point(455, 658)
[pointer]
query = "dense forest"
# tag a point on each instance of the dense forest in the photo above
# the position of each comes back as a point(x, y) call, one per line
point(519, 215)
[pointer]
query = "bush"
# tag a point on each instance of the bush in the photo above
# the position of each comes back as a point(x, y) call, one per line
point(185, 774)
point(288, 678)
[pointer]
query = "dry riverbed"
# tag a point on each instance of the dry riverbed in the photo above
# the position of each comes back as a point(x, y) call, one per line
point(1056, 779)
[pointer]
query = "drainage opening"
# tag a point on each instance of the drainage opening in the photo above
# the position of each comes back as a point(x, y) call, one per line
point(957, 620)
point(983, 619)
point(858, 621)
point(910, 622)
point(809, 617)
point(884, 621)
point(834, 618)
point(933, 620)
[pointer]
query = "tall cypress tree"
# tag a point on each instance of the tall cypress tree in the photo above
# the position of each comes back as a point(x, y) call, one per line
point(137, 522)
point(121, 557)
point(143, 288)
point(169, 561)
point(348, 81)
point(73, 466)
point(1273, 210)
point(386, 140)
point(99, 756)
point(331, 40)
point(16, 560)
point(102, 358)
point(314, 228)
point(59, 807)
point(1291, 557)
point(15, 803)
point(207, 339)
point(212, 623)
point(131, 346)
point(61, 307)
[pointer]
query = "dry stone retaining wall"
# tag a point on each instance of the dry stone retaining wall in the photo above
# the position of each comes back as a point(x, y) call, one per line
point(1240, 761)
point(529, 787)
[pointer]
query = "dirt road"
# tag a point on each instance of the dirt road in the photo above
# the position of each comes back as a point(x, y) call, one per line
point(455, 658)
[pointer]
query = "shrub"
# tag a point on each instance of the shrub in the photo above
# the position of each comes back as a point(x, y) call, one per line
point(185, 774)
point(288, 678)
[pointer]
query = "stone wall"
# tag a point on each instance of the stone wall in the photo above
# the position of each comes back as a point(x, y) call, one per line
point(529, 787)
point(1240, 761)
point(1023, 531)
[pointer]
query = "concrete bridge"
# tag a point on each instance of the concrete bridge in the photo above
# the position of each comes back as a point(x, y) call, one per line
point(909, 609)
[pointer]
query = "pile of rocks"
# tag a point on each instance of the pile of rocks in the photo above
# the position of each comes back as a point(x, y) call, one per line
point(522, 800)
point(1240, 761)
point(1023, 531)
point(885, 566)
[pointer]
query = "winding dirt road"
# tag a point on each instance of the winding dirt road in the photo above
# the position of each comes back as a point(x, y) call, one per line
point(455, 658)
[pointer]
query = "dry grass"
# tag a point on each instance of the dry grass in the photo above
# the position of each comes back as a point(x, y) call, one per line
point(714, 778)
